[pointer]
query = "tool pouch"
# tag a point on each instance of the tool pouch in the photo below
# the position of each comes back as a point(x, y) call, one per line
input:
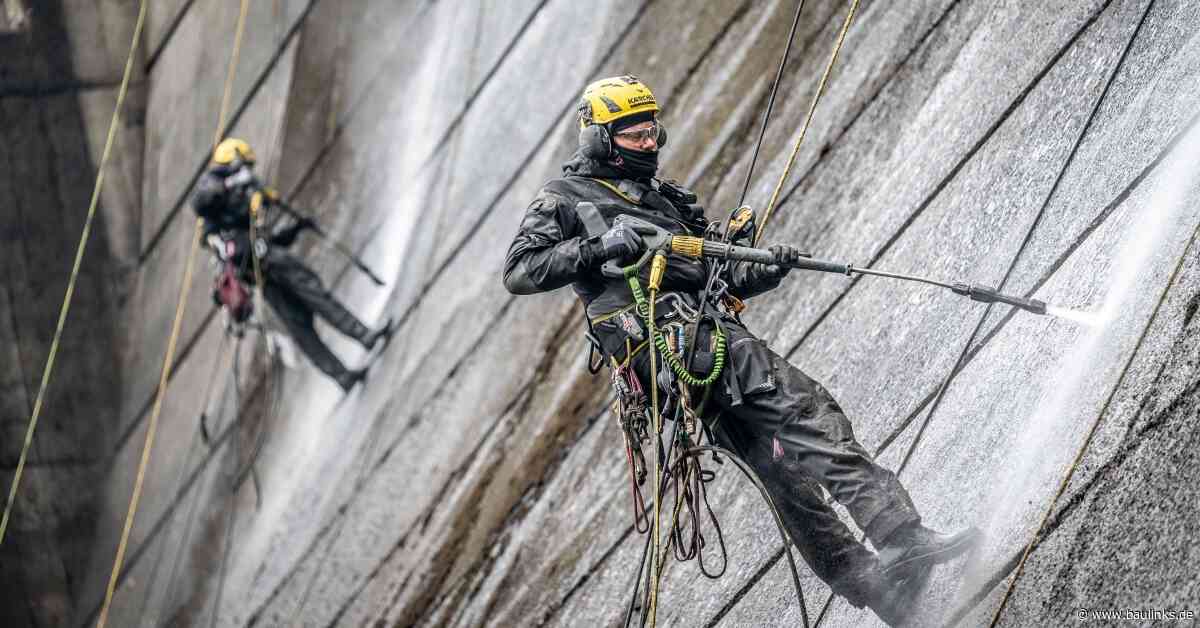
point(704, 356)
point(232, 294)
point(621, 334)
point(750, 368)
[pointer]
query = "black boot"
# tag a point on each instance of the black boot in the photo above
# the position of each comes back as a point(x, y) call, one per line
point(349, 377)
point(891, 600)
point(372, 337)
point(913, 548)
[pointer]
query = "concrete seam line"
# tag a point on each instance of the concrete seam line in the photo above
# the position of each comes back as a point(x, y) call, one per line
point(487, 212)
point(1087, 441)
point(185, 487)
point(808, 118)
point(958, 167)
point(65, 309)
point(1087, 125)
point(168, 36)
point(1082, 237)
point(176, 326)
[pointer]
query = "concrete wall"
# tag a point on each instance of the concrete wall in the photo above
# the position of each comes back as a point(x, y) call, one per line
point(477, 478)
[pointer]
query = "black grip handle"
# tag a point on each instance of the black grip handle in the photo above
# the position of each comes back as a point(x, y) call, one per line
point(763, 256)
point(820, 265)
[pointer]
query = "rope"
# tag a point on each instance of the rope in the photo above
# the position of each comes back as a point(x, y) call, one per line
point(658, 465)
point(1087, 441)
point(185, 285)
point(757, 482)
point(959, 363)
point(233, 59)
point(762, 129)
point(151, 428)
point(807, 120)
point(78, 263)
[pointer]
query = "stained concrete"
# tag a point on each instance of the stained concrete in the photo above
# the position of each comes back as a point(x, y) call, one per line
point(477, 479)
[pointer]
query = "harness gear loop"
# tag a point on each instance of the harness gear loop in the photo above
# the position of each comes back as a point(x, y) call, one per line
point(164, 377)
point(74, 277)
point(645, 309)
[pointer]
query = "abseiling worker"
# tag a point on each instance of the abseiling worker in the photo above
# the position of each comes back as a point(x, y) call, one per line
point(784, 424)
point(223, 198)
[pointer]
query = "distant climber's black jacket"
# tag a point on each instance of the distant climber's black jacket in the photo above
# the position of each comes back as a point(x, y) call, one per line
point(226, 211)
point(549, 251)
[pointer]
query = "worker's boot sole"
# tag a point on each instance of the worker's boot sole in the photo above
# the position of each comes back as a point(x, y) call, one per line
point(922, 557)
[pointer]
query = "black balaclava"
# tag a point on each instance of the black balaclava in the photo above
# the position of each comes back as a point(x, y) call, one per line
point(636, 164)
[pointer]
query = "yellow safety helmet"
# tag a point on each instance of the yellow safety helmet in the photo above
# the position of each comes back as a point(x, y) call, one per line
point(231, 150)
point(614, 98)
point(606, 101)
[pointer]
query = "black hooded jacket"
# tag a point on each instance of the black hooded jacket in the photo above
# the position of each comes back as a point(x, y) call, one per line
point(226, 210)
point(549, 250)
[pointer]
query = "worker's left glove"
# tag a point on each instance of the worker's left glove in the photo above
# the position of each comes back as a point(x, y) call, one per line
point(785, 255)
point(620, 243)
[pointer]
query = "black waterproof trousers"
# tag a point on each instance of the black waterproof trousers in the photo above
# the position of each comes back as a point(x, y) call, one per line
point(792, 432)
point(296, 293)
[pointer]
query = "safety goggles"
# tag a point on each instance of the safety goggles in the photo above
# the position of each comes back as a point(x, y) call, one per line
point(640, 135)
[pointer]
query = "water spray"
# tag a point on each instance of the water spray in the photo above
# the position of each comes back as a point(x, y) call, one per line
point(657, 239)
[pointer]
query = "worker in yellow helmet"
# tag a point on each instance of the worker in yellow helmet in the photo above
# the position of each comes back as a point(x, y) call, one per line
point(786, 426)
point(223, 198)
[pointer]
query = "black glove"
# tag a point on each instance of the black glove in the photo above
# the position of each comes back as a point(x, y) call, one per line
point(785, 255)
point(620, 242)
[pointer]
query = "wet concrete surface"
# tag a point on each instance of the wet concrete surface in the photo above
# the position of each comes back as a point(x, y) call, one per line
point(478, 479)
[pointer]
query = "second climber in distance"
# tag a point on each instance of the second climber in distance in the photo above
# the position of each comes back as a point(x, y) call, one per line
point(223, 198)
point(784, 424)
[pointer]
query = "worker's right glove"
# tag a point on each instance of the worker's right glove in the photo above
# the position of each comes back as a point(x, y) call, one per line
point(620, 242)
point(785, 255)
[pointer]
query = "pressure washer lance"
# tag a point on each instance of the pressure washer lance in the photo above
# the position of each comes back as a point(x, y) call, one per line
point(690, 246)
point(337, 245)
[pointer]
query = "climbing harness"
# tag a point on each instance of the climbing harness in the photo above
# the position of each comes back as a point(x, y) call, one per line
point(688, 338)
point(75, 267)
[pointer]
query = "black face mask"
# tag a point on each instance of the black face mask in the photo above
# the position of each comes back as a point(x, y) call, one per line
point(636, 164)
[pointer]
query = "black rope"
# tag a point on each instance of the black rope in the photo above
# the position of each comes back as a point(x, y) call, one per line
point(716, 269)
point(1037, 221)
point(762, 129)
point(754, 479)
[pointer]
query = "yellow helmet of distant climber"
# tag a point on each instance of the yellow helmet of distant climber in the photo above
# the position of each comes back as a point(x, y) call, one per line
point(232, 150)
point(624, 100)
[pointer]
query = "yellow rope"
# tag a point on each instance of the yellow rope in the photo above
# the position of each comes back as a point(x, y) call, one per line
point(66, 304)
point(233, 58)
point(655, 559)
point(152, 426)
point(164, 376)
point(807, 121)
point(1087, 441)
